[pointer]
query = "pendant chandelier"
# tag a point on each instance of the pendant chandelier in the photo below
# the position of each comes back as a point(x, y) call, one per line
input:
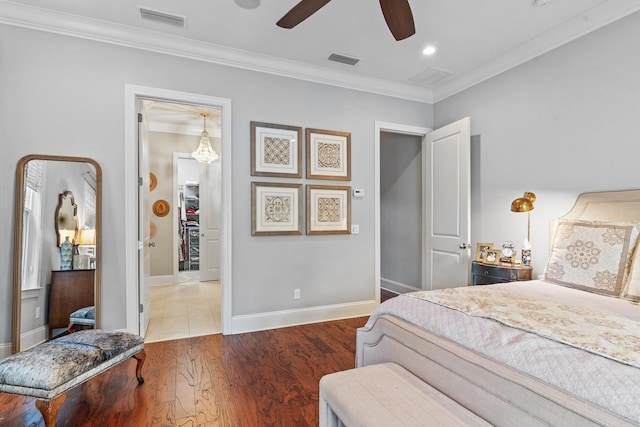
point(205, 153)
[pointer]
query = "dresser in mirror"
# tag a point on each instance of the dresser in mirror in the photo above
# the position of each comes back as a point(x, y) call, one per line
point(56, 269)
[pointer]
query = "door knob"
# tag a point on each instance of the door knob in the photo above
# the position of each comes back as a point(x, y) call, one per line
point(152, 244)
point(463, 246)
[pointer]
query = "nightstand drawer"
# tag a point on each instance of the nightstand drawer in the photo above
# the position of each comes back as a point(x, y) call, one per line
point(484, 274)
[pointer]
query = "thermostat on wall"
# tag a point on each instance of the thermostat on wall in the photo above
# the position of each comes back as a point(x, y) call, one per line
point(358, 192)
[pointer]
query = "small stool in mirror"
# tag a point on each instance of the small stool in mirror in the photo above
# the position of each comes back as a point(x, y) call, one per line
point(84, 318)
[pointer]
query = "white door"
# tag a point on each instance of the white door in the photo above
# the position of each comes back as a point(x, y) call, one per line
point(144, 229)
point(210, 213)
point(448, 205)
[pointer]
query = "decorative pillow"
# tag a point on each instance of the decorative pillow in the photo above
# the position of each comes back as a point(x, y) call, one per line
point(632, 286)
point(592, 256)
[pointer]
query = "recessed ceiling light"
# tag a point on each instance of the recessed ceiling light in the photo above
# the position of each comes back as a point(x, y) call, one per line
point(429, 50)
point(247, 4)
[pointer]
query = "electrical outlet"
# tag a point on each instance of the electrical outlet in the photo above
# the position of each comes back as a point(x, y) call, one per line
point(37, 312)
point(296, 293)
point(355, 229)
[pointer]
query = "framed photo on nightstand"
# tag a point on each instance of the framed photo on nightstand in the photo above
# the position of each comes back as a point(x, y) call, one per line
point(481, 251)
point(492, 257)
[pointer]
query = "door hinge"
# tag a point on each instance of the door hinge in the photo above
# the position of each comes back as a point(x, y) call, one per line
point(139, 117)
point(141, 308)
point(140, 181)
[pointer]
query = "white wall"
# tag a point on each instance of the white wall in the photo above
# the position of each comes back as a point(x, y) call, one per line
point(559, 125)
point(60, 95)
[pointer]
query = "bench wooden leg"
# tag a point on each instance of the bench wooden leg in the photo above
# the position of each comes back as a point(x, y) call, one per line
point(49, 409)
point(140, 358)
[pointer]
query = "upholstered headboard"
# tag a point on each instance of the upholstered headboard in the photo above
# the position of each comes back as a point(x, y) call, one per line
point(606, 206)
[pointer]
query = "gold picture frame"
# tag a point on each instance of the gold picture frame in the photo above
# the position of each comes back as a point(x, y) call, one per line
point(481, 251)
point(492, 256)
point(328, 209)
point(276, 209)
point(328, 154)
point(276, 150)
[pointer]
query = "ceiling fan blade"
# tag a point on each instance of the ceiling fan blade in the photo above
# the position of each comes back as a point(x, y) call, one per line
point(300, 12)
point(399, 18)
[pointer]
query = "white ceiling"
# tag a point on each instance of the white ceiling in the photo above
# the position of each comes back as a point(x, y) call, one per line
point(182, 118)
point(476, 39)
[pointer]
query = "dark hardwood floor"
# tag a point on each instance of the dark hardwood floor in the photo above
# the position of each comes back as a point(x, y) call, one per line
point(267, 378)
point(385, 295)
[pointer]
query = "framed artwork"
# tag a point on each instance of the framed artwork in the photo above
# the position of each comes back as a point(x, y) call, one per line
point(276, 150)
point(276, 209)
point(328, 209)
point(328, 154)
point(481, 251)
point(492, 256)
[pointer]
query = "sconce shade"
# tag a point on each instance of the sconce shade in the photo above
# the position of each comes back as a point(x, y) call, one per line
point(523, 204)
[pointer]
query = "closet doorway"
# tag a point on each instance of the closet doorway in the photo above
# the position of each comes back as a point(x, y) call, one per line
point(196, 219)
point(186, 224)
point(184, 287)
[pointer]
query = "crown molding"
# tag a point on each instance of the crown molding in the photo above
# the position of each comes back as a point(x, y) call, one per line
point(101, 31)
point(599, 16)
point(106, 32)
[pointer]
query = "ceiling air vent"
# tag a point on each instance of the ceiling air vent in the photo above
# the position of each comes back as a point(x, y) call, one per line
point(430, 76)
point(163, 17)
point(343, 59)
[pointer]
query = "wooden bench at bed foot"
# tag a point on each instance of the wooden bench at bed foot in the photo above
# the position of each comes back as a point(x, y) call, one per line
point(47, 371)
point(387, 395)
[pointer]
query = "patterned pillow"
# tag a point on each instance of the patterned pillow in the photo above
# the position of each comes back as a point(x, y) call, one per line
point(592, 256)
point(632, 286)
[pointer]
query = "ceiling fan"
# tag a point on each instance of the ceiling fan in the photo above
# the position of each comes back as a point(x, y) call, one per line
point(397, 13)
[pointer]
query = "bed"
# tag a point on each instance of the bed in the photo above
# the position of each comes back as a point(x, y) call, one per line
point(561, 351)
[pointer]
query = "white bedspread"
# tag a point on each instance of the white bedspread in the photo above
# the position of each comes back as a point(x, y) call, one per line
point(596, 379)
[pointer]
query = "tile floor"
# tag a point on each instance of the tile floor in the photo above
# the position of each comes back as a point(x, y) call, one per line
point(184, 310)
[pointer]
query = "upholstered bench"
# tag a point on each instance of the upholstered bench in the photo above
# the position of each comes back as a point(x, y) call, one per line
point(387, 395)
point(47, 371)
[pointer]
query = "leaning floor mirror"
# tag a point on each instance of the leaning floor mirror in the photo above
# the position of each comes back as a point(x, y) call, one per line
point(56, 268)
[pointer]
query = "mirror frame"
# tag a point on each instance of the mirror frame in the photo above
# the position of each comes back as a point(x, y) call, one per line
point(17, 239)
point(61, 198)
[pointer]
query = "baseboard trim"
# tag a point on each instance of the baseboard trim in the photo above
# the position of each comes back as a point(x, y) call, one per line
point(285, 318)
point(27, 340)
point(5, 349)
point(34, 337)
point(397, 287)
point(161, 280)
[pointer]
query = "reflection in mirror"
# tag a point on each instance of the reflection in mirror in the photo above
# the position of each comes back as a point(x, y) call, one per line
point(57, 198)
point(66, 218)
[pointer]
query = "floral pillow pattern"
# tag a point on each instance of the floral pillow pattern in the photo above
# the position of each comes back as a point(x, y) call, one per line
point(591, 256)
point(631, 289)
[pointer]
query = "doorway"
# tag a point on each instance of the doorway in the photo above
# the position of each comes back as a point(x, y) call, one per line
point(137, 232)
point(445, 202)
point(184, 300)
point(401, 212)
point(387, 135)
point(186, 223)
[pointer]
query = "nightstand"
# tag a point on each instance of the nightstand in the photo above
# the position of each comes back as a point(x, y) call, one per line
point(486, 274)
